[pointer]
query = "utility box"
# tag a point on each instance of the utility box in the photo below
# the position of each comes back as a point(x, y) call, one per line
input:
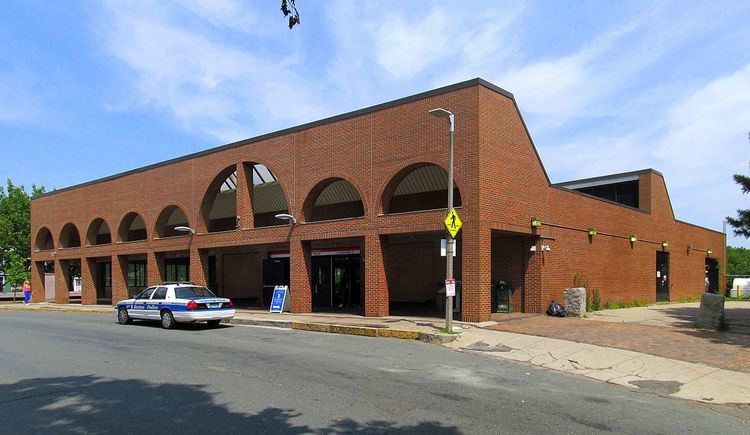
point(501, 297)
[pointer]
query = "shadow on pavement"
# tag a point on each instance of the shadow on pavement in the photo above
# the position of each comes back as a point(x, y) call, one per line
point(88, 404)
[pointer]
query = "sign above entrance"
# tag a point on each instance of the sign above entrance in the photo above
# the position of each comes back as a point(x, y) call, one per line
point(453, 223)
point(279, 301)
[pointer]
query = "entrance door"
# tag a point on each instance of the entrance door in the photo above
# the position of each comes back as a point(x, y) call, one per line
point(322, 289)
point(712, 275)
point(104, 283)
point(662, 276)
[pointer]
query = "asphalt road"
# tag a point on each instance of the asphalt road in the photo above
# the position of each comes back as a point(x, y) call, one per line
point(63, 373)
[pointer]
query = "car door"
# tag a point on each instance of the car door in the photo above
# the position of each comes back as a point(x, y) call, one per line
point(157, 300)
point(138, 309)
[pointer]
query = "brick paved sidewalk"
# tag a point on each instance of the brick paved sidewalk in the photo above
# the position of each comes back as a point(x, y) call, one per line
point(718, 349)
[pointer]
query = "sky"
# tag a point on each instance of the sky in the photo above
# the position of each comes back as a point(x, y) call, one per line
point(93, 88)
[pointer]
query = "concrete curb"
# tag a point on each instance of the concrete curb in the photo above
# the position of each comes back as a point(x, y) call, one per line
point(330, 328)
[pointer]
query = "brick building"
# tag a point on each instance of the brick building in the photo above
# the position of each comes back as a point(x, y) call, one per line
point(368, 191)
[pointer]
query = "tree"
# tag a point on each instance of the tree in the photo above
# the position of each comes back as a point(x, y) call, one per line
point(738, 263)
point(15, 223)
point(289, 9)
point(16, 271)
point(742, 223)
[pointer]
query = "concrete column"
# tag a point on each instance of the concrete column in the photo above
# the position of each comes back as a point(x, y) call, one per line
point(476, 275)
point(88, 281)
point(37, 281)
point(199, 266)
point(376, 276)
point(119, 278)
point(299, 276)
point(62, 286)
point(154, 268)
point(244, 195)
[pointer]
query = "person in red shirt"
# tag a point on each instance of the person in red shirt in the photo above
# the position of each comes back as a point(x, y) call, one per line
point(26, 292)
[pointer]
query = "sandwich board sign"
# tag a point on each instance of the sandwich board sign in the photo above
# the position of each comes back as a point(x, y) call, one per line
point(280, 299)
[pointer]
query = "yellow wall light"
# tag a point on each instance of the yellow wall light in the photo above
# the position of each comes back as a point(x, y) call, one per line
point(592, 231)
point(709, 252)
point(633, 239)
point(665, 244)
point(536, 223)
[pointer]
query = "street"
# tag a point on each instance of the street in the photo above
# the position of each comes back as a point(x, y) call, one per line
point(83, 373)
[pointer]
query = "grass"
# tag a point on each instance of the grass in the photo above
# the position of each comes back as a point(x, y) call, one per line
point(625, 304)
point(445, 331)
point(737, 299)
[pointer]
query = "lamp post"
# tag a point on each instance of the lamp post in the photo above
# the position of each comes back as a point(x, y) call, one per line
point(450, 245)
point(286, 217)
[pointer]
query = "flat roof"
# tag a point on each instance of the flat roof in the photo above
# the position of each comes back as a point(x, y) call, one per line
point(358, 112)
point(606, 179)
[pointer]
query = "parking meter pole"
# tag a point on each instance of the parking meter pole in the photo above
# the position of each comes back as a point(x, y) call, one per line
point(451, 241)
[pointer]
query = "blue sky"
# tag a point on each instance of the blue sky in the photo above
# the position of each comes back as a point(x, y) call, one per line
point(89, 89)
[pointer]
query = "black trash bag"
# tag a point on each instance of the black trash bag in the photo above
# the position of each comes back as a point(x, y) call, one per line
point(555, 309)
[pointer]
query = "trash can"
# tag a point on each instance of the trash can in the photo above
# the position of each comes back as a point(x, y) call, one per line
point(501, 297)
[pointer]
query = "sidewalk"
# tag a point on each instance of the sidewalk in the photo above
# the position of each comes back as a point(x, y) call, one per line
point(635, 370)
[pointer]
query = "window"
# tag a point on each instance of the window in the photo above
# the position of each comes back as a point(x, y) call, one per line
point(136, 277)
point(146, 294)
point(193, 292)
point(160, 293)
point(177, 270)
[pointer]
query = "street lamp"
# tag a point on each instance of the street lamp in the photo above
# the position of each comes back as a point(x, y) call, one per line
point(450, 245)
point(286, 217)
point(185, 230)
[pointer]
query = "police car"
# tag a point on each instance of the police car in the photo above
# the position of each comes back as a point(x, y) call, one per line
point(172, 303)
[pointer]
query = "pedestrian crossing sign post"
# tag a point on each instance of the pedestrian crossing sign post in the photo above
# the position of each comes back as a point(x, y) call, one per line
point(453, 223)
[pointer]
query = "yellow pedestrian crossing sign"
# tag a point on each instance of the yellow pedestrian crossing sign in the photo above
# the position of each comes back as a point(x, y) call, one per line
point(453, 223)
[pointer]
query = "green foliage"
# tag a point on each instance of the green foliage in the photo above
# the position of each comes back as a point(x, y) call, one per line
point(593, 296)
point(15, 223)
point(596, 300)
point(625, 304)
point(16, 271)
point(579, 281)
point(289, 9)
point(741, 223)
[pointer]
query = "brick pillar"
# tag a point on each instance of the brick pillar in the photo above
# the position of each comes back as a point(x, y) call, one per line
point(244, 195)
point(299, 276)
point(533, 298)
point(199, 266)
point(119, 278)
point(37, 281)
point(154, 268)
point(62, 286)
point(88, 281)
point(476, 275)
point(376, 276)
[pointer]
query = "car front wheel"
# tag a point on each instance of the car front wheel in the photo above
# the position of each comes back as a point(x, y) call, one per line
point(167, 320)
point(123, 318)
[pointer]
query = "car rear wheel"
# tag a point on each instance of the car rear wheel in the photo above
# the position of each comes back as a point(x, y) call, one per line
point(167, 320)
point(213, 323)
point(123, 318)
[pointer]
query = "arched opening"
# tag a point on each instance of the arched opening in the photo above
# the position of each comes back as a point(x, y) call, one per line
point(169, 219)
point(98, 233)
point(44, 240)
point(334, 198)
point(267, 197)
point(423, 186)
point(132, 228)
point(222, 215)
point(69, 236)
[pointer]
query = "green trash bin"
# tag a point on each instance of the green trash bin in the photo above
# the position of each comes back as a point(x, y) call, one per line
point(501, 297)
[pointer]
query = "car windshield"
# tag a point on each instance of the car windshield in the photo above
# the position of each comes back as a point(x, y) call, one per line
point(193, 292)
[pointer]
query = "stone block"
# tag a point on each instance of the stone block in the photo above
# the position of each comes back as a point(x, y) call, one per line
point(574, 301)
point(711, 313)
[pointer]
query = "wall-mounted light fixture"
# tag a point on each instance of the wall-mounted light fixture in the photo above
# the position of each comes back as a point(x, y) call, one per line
point(536, 222)
point(592, 232)
point(690, 248)
point(286, 217)
point(708, 252)
point(633, 238)
point(665, 244)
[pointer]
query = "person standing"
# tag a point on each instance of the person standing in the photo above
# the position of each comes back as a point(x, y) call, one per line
point(26, 292)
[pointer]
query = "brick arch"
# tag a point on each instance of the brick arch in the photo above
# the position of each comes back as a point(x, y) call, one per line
point(70, 237)
point(388, 191)
point(350, 210)
point(163, 228)
point(123, 231)
point(210, 196)
point(44, 240)
point(92, 234)
point(259, 215)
